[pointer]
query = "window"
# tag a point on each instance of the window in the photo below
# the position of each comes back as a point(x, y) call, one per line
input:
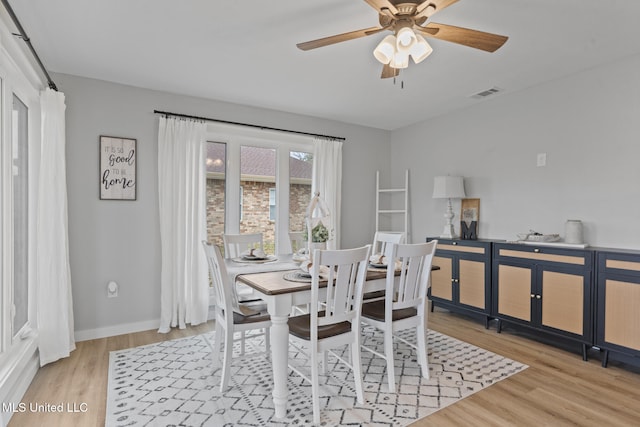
point(257, 178)
point(19, 159)
point(19, 166)
point(16, 209)
point(272, 204)
point(259, 184)
point(216, 187)
point(300, 173)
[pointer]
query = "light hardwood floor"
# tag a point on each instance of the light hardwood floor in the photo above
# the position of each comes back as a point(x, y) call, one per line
point(557, 389)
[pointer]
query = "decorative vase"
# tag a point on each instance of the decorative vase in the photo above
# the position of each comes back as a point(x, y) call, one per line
point(573, 231)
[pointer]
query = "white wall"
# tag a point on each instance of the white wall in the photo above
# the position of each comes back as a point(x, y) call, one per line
point(589, 126)
point(119, 240)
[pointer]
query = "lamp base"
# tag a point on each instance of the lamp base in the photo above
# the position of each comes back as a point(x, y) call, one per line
point(448, 232)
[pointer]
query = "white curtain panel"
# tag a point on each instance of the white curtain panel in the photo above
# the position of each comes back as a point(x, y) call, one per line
point(54, 302)
point(184, 292)
point(327, 179)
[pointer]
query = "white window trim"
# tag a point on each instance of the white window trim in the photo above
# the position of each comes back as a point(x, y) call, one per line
point(18, 358)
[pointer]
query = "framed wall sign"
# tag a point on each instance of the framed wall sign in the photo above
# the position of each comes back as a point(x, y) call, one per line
point(469, 219)
point(117, 168)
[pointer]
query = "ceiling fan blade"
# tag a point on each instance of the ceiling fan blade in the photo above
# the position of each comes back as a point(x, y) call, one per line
point(383, 4)
point(325, 41)
point(465, 36)
point(426, 30)
point(428, 8)
point(388, 71)
point(377, 30)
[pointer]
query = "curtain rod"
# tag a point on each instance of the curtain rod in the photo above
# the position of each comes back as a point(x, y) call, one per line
point(23, 35)
point(187, 116)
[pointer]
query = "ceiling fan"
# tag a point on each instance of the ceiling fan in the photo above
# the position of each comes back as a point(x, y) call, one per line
point(406, 18)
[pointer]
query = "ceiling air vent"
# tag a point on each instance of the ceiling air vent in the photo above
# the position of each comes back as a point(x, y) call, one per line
point(486, 93)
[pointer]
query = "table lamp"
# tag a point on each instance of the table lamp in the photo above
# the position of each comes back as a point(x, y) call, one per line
point(448, 187)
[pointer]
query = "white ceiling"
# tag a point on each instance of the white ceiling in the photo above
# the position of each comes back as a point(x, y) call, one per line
point(244, 51)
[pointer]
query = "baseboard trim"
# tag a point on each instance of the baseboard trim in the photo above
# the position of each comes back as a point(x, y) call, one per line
point(110, 331)
point(127, 328)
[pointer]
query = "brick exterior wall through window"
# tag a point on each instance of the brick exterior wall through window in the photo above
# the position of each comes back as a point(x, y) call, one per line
point(255, 215)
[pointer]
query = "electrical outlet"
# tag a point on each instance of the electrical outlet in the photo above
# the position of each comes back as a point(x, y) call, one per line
point(112, 289)
point(542, 159)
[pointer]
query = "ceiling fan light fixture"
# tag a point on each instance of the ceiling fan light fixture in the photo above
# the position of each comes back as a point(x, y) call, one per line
point(405, 20)
point(386, 49)
point(406, 38)
point(400, 60)
point(420, 49)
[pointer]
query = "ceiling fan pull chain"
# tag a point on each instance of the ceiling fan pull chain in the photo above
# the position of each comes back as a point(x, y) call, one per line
point(401, 83)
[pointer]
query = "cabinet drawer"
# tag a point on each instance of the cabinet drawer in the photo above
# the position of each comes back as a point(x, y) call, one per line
point(479, 247)
point(577, 257)
point(619, 263)
point(460, 248)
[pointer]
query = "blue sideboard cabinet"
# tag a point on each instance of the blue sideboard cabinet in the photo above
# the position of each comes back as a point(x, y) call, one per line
point(463, 282)
point(589, 296)
point(547, 289)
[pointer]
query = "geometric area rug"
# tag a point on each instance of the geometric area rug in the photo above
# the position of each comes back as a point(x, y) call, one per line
point(173, 383)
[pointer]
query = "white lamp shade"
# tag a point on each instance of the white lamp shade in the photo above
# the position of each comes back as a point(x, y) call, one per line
point(420, 49)
point(448, 187)
point(385, 50)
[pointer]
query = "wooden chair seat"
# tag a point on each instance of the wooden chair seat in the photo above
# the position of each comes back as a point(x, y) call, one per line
point(300, 326)
point(375, 310)
point(239, 319)
point(372, 295)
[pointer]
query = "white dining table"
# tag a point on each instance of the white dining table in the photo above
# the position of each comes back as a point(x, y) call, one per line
point(281, 296)
point(237, 266)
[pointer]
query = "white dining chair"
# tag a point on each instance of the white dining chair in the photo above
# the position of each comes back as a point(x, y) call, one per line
point(404, 305)
point(231, 316)
point(338, 322)
point(382, 242)
point(236, 244)
point(296, 238)
point(383, 239)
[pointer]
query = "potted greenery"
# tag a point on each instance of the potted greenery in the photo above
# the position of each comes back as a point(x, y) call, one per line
point(319, 237)
point(318, 220)
point(319, 234)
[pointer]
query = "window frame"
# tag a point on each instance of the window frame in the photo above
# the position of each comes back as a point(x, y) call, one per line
point(22, 157)
point(18, 349)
